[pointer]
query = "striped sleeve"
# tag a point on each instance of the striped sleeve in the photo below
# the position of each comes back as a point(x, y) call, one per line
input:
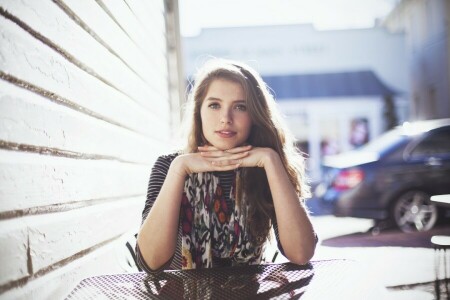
point(157, 177)
point(277, 236)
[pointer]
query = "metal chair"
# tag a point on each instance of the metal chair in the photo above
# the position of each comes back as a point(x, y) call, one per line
point(125, 252)
point(131, 246)
point(441, 244)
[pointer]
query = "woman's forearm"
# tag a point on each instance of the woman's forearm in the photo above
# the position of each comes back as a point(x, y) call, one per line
point(158, 234)
point(294, 226)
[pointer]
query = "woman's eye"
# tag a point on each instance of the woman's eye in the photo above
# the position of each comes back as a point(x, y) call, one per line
point(214, 106)
point(241, 107)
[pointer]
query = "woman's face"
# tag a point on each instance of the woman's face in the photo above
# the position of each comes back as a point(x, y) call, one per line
point(226, 122)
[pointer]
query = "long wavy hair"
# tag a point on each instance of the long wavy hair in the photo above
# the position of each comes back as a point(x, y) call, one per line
point(267, 130)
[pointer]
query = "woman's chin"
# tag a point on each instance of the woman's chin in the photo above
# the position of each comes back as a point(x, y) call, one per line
point(225, 146)
point(222, 147)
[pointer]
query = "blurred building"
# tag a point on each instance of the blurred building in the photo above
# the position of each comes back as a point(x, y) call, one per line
point(426, 24)
point(332, 86)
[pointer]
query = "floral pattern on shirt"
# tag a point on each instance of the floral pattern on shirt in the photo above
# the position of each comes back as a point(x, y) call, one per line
point(213, 227)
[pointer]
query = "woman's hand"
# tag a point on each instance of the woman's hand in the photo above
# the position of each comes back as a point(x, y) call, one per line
point(211, 159)
point(245, 156)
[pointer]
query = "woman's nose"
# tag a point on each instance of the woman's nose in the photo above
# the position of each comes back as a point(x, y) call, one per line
point(226, 118)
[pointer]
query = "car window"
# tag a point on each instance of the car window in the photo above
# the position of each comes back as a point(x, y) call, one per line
point(384, 142)
point(435, 143)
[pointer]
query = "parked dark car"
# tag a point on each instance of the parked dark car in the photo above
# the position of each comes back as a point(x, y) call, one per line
point(392, 177)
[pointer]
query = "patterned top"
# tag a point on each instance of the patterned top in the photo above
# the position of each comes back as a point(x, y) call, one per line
point(211, 231)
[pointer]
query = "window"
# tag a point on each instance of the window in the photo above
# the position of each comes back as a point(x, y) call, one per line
point(435, 143)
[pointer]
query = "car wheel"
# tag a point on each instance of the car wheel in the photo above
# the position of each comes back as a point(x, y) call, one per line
point(413, 211)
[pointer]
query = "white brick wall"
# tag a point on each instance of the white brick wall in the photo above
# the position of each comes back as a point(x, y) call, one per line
point(85, 108)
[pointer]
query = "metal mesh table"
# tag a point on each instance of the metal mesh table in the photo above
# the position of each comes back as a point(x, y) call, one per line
point(270, 281)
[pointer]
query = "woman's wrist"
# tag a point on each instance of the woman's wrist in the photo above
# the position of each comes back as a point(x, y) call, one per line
point(271, 158)
point(178, 166)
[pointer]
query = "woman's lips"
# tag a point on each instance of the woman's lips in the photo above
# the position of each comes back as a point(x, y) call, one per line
point(226, 133)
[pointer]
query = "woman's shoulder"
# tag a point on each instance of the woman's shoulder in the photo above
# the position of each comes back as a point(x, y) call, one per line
point(164, 160)
point(169, 157)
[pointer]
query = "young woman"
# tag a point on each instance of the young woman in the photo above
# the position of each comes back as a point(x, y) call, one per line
point(213, 204)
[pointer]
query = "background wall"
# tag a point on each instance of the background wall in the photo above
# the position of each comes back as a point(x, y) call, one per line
point(87, 99)
point(426, 24)
point(301, 49)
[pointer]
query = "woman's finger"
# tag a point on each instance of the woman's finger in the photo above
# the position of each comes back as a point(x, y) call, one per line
point(226, 162)
point(239, 149)
point(214, 152)
point(214, 157)
point(232, 150)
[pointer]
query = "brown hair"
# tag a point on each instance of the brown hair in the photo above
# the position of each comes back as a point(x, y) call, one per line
point(267, 131)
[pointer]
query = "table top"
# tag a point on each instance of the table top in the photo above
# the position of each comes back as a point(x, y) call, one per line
point(327, 279)
point(441, 199)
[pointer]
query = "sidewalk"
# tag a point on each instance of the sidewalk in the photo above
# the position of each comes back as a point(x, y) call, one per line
point(404, 263)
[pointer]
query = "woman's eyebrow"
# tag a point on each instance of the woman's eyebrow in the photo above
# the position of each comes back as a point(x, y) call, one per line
point(220, 100)
point(213, 99)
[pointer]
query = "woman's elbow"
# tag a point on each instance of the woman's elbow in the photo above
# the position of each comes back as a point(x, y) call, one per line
point(147, 260)
point(301, 257)
point(300, 260)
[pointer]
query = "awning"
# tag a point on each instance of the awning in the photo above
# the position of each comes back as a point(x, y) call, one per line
point(326, 85)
